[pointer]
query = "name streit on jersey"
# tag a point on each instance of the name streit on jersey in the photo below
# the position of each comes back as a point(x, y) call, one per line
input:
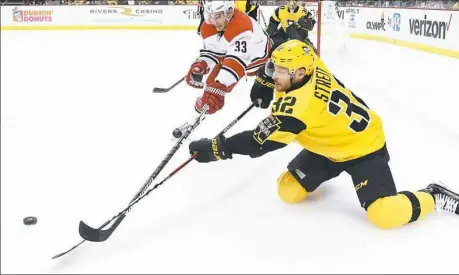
point(323, 84)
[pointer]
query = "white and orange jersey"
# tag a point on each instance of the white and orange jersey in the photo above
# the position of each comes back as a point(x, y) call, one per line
point(242, 48)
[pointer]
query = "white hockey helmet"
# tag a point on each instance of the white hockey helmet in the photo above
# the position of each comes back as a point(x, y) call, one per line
point(212, 7)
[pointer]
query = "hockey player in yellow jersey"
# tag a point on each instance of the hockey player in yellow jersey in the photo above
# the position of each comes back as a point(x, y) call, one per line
point(339, 133)
point(248, 7)
point(295, 23)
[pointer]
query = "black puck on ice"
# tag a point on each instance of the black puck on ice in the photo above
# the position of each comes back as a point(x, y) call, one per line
point(177, 133)
point(30, 220)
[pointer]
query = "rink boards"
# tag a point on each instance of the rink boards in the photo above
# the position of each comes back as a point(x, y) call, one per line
point(430, 30)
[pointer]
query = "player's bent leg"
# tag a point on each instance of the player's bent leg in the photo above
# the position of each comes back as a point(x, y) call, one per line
point(405, 207)
point(375, 187)
point(305, 173)
point(289, 189)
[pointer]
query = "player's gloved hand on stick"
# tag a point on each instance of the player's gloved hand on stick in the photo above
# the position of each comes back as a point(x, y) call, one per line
point(197, 71)
point(263, 87)
point(210, 149)
point(213, 96)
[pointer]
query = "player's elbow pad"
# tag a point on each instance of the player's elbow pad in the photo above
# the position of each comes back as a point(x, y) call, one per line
point(244, 144)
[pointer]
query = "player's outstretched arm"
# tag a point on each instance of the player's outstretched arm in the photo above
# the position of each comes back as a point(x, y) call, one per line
point(271, 134)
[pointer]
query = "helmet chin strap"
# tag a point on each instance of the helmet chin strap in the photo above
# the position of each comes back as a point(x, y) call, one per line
point(291, 80)
point(292, 75)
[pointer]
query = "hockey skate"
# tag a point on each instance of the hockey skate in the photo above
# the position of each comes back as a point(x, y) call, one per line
point(445, 199)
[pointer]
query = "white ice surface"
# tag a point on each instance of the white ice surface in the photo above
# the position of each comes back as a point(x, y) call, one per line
point(81, 131)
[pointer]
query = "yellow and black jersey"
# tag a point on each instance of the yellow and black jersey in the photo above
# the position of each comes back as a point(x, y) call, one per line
point(282, 16)
point(244, 6)
point(320, 114)
point(247, 7)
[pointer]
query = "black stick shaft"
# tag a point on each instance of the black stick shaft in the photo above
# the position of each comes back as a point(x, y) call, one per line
point(169, 155)
point(136, 200)
point(146, 184)
point(120, 216)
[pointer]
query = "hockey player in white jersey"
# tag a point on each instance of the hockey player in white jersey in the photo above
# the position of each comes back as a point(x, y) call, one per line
point(234, 45)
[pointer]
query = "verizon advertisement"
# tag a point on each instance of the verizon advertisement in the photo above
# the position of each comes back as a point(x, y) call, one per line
point(436, 28)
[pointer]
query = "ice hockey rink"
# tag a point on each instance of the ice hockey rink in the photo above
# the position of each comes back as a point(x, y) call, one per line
point(82, 131)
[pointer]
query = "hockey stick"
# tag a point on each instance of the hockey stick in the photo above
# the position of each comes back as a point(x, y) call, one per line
point(94, 232)
point(97, 235)
point(263, 18)
point(165, 90)
point(100, 235)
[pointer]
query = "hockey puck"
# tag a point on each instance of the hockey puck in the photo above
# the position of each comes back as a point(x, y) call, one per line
point(177, 133)
point(30, 220)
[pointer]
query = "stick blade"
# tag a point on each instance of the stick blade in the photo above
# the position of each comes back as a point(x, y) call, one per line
point(160, 90)
point(165, 90)
point(98, 235)
point(92, 234)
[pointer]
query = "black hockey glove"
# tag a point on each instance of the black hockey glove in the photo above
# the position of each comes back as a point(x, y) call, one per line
point(210, 149)
point(307, 23)
point(263, 87)
point(295, 31)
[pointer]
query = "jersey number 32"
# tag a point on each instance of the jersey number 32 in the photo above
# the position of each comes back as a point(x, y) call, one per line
point(284, 105)
point(334, 108)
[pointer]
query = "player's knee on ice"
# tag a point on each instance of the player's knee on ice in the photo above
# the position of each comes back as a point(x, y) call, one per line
point(405, 207)
point(289, 189)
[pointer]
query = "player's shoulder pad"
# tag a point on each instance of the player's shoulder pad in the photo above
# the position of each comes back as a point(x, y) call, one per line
point(276, 14)
point(207, 30)
point(237, 25)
